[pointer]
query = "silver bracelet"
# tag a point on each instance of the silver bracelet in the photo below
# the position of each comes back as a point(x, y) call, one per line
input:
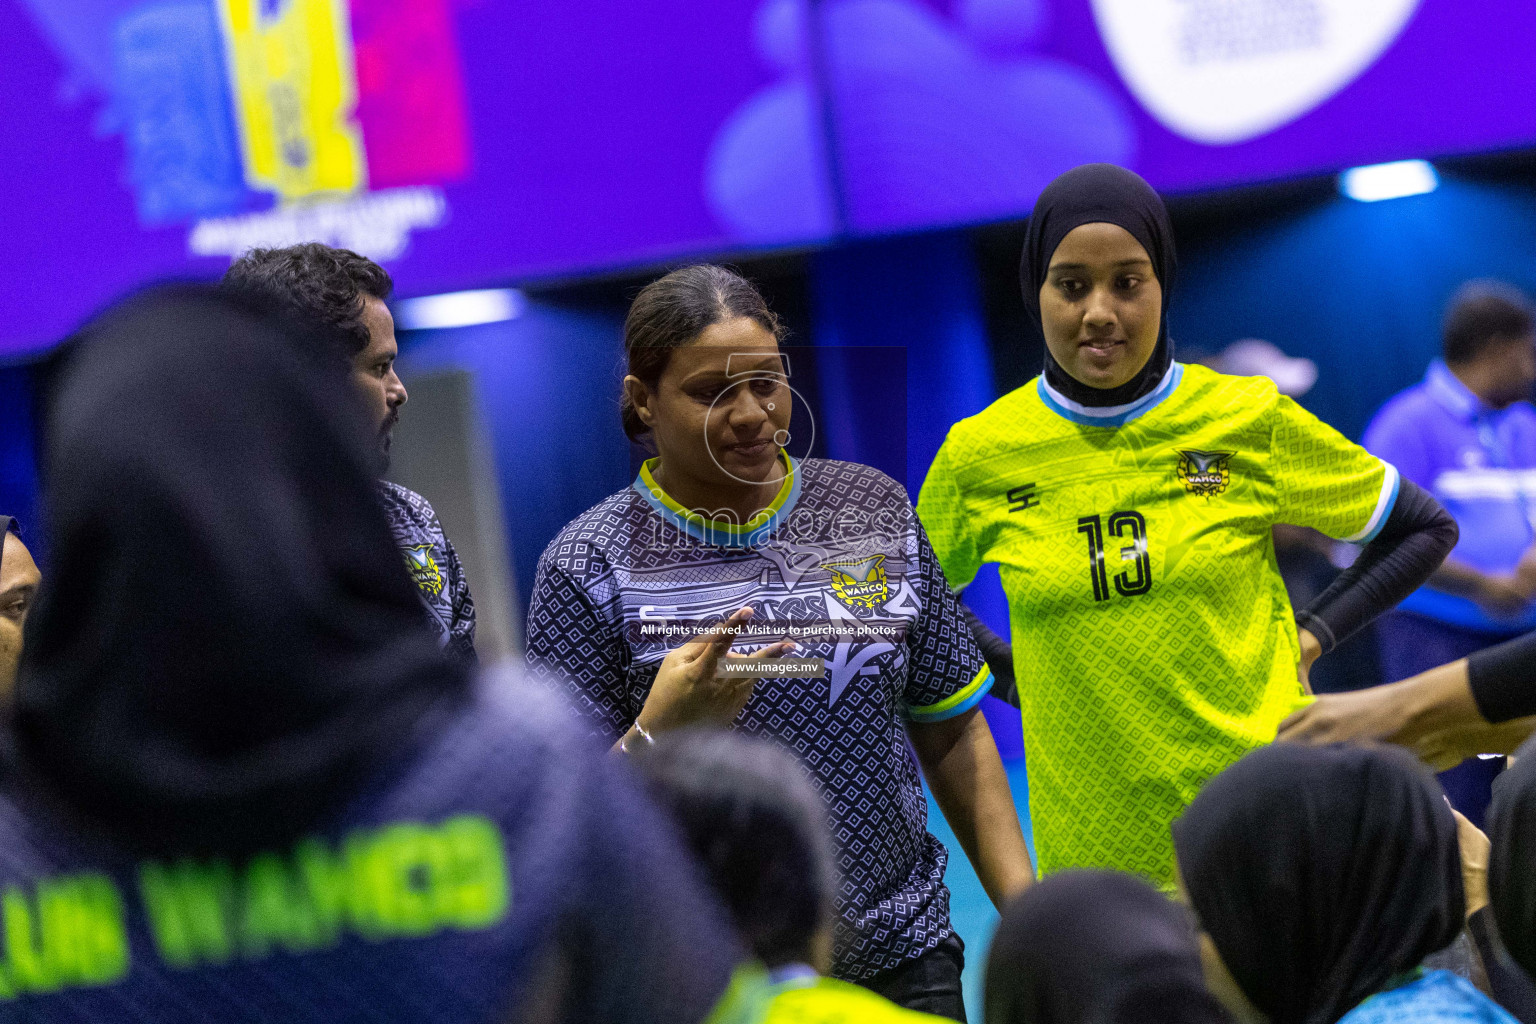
point(650, 740)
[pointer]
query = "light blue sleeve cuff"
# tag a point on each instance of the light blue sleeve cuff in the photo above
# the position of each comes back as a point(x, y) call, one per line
point(957, 703)
point(1391, 483)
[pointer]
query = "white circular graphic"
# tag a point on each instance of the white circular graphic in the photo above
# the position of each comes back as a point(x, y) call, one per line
point(1225, 71)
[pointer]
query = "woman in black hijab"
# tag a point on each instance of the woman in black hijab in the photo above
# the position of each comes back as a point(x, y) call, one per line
point(1512, 861)
point(1096, 947)
point(1512, 884)
point(220, 648)
point(1094, 195)
point(1323, 876)
point(1128, 500)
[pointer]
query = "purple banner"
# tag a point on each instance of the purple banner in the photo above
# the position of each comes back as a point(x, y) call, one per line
point(467, 143)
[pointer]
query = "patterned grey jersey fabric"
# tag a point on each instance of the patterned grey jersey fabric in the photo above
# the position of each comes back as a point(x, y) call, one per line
point(847, 572)
point(434, 567)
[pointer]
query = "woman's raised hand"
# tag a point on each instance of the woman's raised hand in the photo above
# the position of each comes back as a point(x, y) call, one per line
point(701, 681)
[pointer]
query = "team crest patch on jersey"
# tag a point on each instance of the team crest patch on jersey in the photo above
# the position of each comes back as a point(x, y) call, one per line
point(860, 583)
point(1205, 473)
point(423, 568)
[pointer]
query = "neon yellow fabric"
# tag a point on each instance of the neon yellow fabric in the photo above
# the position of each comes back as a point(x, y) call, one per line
point(829, 1001)
point(1146, 671)
point(747, 999)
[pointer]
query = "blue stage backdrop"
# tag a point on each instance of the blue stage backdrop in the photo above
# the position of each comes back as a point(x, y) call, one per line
point(1358, 287)
point(18, 469)
point(470, 144)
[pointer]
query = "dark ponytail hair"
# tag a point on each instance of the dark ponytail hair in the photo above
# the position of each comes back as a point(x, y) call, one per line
point(672, 312)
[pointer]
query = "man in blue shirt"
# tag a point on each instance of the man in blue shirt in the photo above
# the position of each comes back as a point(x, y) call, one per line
point(1467, 433)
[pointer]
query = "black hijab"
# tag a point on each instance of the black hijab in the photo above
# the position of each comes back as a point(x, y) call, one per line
point(227, 641)
point(1320, 873)
point(1093, 194)
point(1512, 862)
point(1096, 947)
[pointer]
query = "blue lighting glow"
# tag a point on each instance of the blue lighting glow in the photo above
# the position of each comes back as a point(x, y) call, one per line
point(459, 309)
point(1389, 181)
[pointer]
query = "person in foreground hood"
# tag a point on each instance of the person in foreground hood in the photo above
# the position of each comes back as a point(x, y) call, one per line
point(1097, 947)
point(1322, 878)
point(245, 783)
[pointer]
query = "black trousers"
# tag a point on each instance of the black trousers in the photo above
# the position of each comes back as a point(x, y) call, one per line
point(929, 983)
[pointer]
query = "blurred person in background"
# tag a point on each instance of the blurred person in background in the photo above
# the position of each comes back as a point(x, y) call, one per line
point(1128, 500)
point(1255, 357)
point(1097, 947)
point(245, 782)
point(345, 294)
point(754, 821)
point(1322, 879)
point(18, 588)
point(1480, 704)
point(1467, 434)
point(724, 527)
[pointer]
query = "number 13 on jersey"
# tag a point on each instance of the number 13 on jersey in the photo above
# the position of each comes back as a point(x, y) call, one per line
point(1127, 525)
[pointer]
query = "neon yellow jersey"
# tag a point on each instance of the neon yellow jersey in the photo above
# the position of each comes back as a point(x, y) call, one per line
point(813, 1000)
point(1152, 638)
point(746, 999)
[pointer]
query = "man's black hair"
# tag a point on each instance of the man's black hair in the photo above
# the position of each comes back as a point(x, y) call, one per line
point(1482, 312)
point(752, 818)
point(314, 283)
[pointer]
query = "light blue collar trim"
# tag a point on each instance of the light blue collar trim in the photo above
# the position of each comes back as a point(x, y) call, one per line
point(793, 976)
point(1113, 415)
point(708, 531)
point(1452, 395)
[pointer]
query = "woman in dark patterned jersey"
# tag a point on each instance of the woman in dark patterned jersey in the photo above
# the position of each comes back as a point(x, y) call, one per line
point(723, 527)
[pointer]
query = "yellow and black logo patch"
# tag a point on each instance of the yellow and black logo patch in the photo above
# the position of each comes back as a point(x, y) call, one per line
point(1205, 473)
point(423, 568)
point(860, 583)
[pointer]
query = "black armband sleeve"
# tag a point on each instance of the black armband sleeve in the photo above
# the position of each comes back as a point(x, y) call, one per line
point(999, 655)
point(1414, 540)
point(1503, 679)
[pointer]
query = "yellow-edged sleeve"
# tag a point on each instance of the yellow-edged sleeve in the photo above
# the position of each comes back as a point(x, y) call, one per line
point(941, 508)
